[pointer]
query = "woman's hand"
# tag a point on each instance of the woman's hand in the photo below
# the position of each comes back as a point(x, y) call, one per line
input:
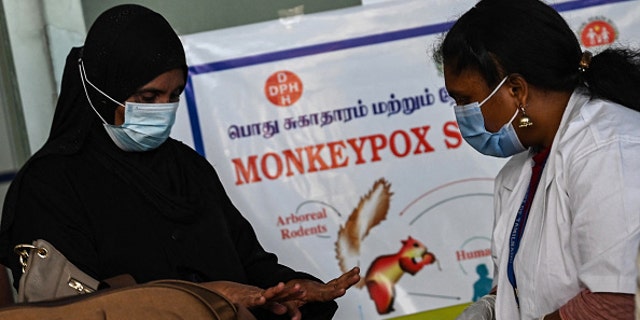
point(310, 291)
point(319, 292)
point(286, 299)
point(279, 299)
point(250, 296)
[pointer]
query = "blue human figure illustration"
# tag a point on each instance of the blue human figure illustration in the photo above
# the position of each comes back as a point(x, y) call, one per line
point(483, 285)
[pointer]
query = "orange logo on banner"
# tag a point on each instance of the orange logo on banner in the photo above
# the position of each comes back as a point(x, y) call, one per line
point(598, 33)
point(283, 88)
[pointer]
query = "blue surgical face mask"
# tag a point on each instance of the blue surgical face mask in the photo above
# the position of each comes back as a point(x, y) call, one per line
point(146, 125)
point(503, 143)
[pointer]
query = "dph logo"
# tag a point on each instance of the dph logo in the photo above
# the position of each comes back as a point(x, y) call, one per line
point(598, 31)
point(283, 88)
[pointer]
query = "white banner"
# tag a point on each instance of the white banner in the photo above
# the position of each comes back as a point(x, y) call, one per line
point(334, 136)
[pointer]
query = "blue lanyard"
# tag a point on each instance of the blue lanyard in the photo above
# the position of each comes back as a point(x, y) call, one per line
point(521, 220)
point(514, 242)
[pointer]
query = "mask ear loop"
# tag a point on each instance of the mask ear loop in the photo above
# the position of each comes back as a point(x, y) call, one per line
point(83, 78)
point(515, 114)
point(513, 118)
point(494, 91)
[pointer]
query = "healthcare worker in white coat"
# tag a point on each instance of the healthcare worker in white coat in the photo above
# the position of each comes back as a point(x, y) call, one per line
point(567, 204)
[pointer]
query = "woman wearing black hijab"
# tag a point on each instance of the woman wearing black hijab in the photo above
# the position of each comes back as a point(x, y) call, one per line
point(116, 196)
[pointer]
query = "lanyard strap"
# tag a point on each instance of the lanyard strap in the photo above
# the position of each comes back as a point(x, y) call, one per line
point(517, 231)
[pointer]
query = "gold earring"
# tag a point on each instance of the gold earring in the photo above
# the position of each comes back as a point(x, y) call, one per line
point(524, 121)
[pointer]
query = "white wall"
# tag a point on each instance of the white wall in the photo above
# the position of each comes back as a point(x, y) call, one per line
point(40, 33)
point(31, 57)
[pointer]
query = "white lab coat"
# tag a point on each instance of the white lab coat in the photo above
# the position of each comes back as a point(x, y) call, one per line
point(583, 229)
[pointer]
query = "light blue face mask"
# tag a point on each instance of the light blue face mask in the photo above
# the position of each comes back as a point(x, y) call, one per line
point(146, 125)
point(503, 143)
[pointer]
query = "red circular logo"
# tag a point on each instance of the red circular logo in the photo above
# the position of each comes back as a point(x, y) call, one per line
point(283, 88)
point(598, 33)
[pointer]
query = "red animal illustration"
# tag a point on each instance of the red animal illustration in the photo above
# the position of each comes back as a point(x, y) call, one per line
point(385, 271)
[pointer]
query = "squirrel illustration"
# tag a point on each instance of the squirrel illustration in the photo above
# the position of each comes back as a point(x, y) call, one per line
point(385, 271)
